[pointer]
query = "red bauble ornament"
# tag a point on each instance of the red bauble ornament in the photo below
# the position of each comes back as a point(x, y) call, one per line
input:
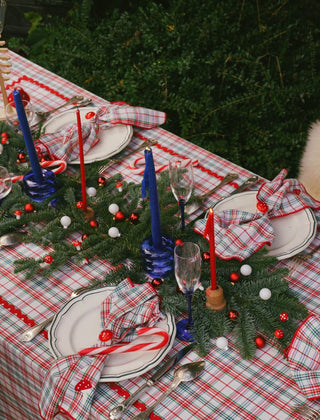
point(119, 216)
point(179, 242)
point(283, 316)
point(233, 315)
point(28, 208)
point(206, 256)
point(48, 259)
point(260, 342)
point(80, 205)
point(157, 282)
point(105, 335)
point(89, 115)
point(263, 207)
point(134, 218)
point(101, 181)
point(279, 334)
point(93, 223)
point(234, 277)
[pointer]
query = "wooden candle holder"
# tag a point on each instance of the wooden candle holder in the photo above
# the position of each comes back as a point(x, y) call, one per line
point(215, 299)
point(5, 69)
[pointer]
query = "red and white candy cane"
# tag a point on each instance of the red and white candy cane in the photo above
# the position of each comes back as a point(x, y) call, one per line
point(137, 166)
point(130, 347)
point(61, 167)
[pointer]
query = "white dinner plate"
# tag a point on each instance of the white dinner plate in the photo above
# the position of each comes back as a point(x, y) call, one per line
point(293, 233)
point(112, 139)
point(77, 325)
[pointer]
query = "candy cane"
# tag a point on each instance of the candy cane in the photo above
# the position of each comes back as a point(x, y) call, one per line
point(62, 166)
point(138, 165)
point(126, 348)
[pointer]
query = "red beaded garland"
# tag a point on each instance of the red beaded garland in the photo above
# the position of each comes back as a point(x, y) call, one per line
point(105, 335)
point(28, 208)
point(260, 342)
point(279, 333)
point(283, 316)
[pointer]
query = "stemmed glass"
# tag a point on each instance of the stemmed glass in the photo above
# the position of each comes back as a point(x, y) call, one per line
point(181, 182)
point(12, 116)
point(187, 270)
point(5, 182)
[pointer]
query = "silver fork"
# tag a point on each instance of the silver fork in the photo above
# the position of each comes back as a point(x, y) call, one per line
point(306, 411)
point(112, 161)
point(45, 114)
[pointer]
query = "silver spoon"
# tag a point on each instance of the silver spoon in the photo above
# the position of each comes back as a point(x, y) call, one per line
point(45, 114)
point(184, 373)
point(11, 239)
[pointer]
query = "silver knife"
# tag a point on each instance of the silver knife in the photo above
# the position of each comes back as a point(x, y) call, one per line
point(117, 411)
point(250, 181)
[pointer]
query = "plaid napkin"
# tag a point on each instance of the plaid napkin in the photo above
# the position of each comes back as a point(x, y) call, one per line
point(239, 234)
point(69, 386)
point(64, 144)
point(303, 357)
point(281, 196)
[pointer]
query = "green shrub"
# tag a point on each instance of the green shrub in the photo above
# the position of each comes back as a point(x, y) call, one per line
point(239, 78)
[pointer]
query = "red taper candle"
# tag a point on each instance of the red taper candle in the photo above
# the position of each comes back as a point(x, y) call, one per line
point(81, 157)
point(209, 231)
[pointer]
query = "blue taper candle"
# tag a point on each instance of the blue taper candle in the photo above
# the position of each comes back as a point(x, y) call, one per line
point(150, 182)
point(33, 158)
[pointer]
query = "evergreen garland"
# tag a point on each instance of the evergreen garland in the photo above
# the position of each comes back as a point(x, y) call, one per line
point(255, 316)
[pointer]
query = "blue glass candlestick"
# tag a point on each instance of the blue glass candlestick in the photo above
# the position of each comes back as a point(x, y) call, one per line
point(40, 191)
point(158, 262)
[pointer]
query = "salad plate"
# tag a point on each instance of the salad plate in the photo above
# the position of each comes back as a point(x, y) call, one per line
point(77, 326)
point(293, 233)
point(112, 139)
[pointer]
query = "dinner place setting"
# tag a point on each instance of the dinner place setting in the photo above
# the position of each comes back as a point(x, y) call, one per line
point(143, 276)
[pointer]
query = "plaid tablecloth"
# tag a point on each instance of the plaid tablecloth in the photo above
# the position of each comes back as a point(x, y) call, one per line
point(230, 388)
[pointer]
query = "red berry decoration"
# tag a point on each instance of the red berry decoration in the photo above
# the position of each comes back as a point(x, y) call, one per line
point(157, 282)
point(263, 207)
point(206, 256)
point(83, 384)
point(80, 205)
point(105, 335)
point(84, 236)
point(179, 242)
point(134, 218)
point(279, 334)
point(234, 277)
point(283, 316)
point(101, 181)
point(28, 208)
point(119, 216)
point(260, 342)
point(48, 259)
point(233, 315)
point(89, 115)
point(94, 223)
point(23, 94)
point(21, 158)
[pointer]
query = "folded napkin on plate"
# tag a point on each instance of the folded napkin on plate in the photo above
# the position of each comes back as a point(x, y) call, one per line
point(303, 356)
point(239, 233)
point(64, 144)
point(70, 383)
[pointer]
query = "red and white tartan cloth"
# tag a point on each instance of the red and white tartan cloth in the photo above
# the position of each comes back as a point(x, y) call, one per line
point(64, 144)
point(281, 196)
point(239, 234)
point(303, 357)
point(70, 384)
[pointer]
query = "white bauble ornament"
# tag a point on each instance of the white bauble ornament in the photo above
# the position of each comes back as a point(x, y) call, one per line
point(265, 293)
point(113, 208)
point(222, 343)
point(246, 270)
point(91, 191)
point(113, 232)
point(65, 221)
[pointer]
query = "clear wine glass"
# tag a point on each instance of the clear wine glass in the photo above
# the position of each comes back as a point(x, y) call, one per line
point(12, 117)
point(187, 270)
point(181, 182)
point(5, 182)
